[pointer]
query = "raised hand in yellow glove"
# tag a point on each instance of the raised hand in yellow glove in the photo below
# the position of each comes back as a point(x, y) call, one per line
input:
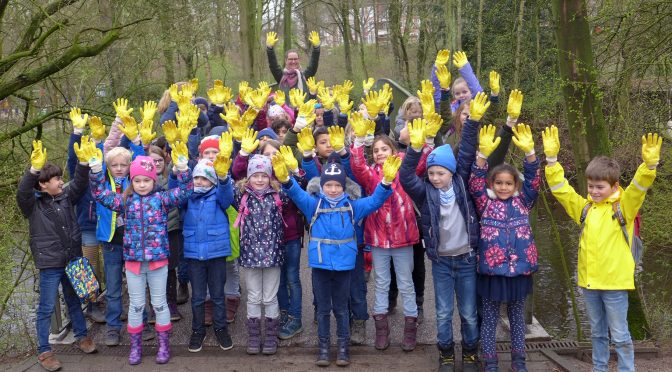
point(368, 84)
point(487, 142)
point(39, 156)
point(97, 128)
point(129, 127)
point(391, 168)
point(326, 98)
point(237, 128)
point(551, 142)
point(259, 97)
point(249, 143)
point(384, 98)
point(243, 89)
point(289, 159)
point(180, 156)
point(174, 93)
point(442, 57)
point(443, 75)
point(426, 102)
point(219, 94)
point(193, 84)
point(231, 111)
point(78, 121)
point(347, 87)
point(314, 39)
point(358, 123)
point(523, 138)
point(314, 85)
point(121, 107)
point(494, 82)
point(188, 89)
point(336, 138)
point(248, 116)
point(306, 115)
point(183, 102)
point(426, 86)
point(184, 129)
point(148, 110)
point(434, 123)
point(460, 59)
point(87, 151)
point(187, 117)
point(280, 168)
point(515, 104)
point(417, 131)
point(296, 97)
point(651, 144)
point(344, 104)
point(271, 39)
point(226, 144)
point(170, 131)
point(279, 97)
point(264, 87)
point(306, 142)
point(222, 164)
point(478, 106)
point(372, 103)
point(147, 133)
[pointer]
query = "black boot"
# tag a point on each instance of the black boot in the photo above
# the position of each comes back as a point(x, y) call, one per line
point(447, 358)
point(323, 352)
point(343, 357)
point(470, 361)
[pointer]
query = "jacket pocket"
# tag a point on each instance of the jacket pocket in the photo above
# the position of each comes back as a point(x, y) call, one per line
point(218, 231)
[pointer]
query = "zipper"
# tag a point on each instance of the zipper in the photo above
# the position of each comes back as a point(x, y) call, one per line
point(142, 228)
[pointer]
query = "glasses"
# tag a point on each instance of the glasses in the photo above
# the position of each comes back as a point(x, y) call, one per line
point(158, 161)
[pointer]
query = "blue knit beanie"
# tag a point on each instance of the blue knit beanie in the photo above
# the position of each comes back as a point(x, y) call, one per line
point(442, 156)
point(267, 132)
point(333, 170)
point(201, 101)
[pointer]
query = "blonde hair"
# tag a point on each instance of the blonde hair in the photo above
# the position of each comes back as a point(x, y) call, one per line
point(457, 123)
point(407, 103)
point(243, 182)
point(165, 100)
point(118, 151)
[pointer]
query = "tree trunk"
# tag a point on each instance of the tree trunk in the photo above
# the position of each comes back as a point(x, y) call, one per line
point(451, 26)
point(375, 27)
point(167, 44)
point(358, 32)
point(519, 37)
point(345, 18)
point(397, 41)
point(249, 38)
point(479, 37)
point(287, 26)
point(458, 30)
point(219, 24)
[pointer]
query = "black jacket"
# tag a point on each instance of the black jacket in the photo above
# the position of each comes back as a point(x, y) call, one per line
point(55, 237)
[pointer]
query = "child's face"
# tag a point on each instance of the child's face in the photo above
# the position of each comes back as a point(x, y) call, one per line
point(381, 151)
point(142, 185)
point(259, 181)
point(332, 189)
point(119, 166)
point(159, 162)
point(413, 111)
point(200, 181)
point(281, 134)
point(269, 151)
point(52, 187)
point(504, 185)
point(461, 92)
point(210, 154)
point(322, 146)
point(319, 117)
point(463, 116)
point(601, 190)
point(440, 177)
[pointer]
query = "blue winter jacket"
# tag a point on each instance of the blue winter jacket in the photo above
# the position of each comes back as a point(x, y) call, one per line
point(206, 225)
point(86, 206)
point(332, 244)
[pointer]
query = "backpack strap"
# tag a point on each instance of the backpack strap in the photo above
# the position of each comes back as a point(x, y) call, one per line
point(618, 215)
point(242, 211)
point(278, 203)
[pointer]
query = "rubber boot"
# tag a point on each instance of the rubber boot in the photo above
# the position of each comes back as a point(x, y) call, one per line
point(410, 332)
point(343, 356)
point(358, 332)
point(253, 336)
point(470, 358)
point(135, 357)
point(447, 358)
point(491, 363)
point(382, 331)
point(271, 339)
point(163, 354)
point(518, 362)
point(323, 352)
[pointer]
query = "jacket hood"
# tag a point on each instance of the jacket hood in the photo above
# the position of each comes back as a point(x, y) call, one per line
point(351, 188)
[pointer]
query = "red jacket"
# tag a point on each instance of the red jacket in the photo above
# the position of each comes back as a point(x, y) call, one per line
point(393, 225)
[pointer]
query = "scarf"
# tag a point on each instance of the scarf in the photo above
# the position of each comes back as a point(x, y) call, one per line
point(291, 79)
point(447, 197)
point(118, 180)
point(202, 189)
point(333, 201)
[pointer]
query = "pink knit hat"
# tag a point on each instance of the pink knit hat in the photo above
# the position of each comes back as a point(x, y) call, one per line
point(143, 166)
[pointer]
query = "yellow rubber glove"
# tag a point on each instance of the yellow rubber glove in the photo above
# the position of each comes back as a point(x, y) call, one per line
point(515, 104)
point(314, 85)
point(370, 128)
point(279, 97)
point(368, 84)
point(344, 104)
point(426, 86)
point(259, 98)
point(86, 150)
point(494, 82)
point(358, 123)
point(289, 159)
point(237, 128)
point(231, 111)
point(487, 142)
point(384, 98)
point(417, 131)
point(249, 143)
point(129, 127)
point(121, 107)
point(347, 87)
point(78, 120)
point(183, 102)
point(478, 106)
point(444, 77)
point(226, 144)
point(391, 168)
point(442, 57)
point(306, 142)
point(147, 133)
point(296, 97)
point(336, 138)
point(372, 103)
point(263, 86)
point(307, 108)
point(271, 39)
point(314, 39)
point(188, 89)
point(280, 168)
point(39, 155)
point(97, 128)
point(170, 131)
point(248, 116)
point(184, 129)
point(243, 89)
point(222, 164)
point(523, 138)
point(174, 93)
point(460, 59)
point(148, 110)
point(193, 84)
point(180, 156)
point(186, 118)
point(551, 142)
point(434, 123)
point(427, 102)
point(651, 144)
point(220, 94)
point(326, 98)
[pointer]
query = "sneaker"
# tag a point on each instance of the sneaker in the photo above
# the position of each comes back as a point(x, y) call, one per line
point(86, 345)
point(224, 339)
point(196, 342)
point(291, 328)
point(175, 315)
point(147, 333)
point(112, 337)
point(284, 317)
point(48, 361)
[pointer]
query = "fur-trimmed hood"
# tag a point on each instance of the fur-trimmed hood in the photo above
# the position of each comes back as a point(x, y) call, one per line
point(352, 188)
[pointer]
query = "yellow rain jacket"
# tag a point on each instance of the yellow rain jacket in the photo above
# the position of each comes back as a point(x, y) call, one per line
point(605, 259)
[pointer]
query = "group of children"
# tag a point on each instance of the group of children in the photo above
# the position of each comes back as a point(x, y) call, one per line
point(242, 183)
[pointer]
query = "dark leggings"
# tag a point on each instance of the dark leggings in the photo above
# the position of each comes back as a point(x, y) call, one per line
point(175, 244)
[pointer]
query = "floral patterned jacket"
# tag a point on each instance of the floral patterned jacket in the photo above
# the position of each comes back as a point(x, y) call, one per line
point(506, 246)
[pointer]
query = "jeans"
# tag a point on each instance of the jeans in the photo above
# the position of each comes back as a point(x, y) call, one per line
point(208, 275)
point(455, 276)
point(156, 279)
point(49, 281)
point(358, 310)
point(403, 263)
point(289, 294)
point(262, 288)
point(608, 312)
point(175, 241)
point(182, 269)
point(232, 285)
point(113, 258)
point(332, 289)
